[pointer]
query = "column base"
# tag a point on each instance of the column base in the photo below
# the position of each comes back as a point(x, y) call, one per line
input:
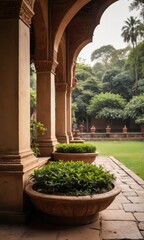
point(14, 175)
point(47, 146)
point(70, 136)
point(62, 138)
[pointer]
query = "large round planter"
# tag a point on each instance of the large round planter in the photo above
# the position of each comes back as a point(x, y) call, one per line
point(72, 210)
point(85, 157)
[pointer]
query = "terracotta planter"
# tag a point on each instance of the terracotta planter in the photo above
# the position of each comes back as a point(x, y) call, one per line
point(85, 157)
point(73, 210)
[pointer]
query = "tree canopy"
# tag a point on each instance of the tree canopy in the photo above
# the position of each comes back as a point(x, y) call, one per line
point(103, 54)
point(107, 106)
point(135, 109)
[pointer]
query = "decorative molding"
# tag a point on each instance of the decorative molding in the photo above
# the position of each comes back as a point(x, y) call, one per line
point(45, 66)
point(17, 9)
point(14, 158)
point(30, 3)
point(69, 89)
point(61, 87)
point(26, 11)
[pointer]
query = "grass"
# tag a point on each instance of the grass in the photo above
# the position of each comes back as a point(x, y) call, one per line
point(130, 153)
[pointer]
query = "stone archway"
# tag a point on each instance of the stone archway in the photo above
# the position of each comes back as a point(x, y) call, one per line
point(16, 157)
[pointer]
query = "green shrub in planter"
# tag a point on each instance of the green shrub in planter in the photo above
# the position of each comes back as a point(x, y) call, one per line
point(72, 178)
point(75, 148)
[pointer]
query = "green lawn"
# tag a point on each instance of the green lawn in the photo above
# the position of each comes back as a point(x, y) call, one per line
point(130, 153)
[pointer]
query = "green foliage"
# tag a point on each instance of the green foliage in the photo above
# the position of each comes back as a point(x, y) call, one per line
point(135, 109)
point(36, 129)
point(139, 50)
point(119, 56)
point(86, 87)
point(122, 74)
point(32, 101)
point(103, 53)
point(75, 148)
point(72, 178)
point(32, 77)
point(132, 30)
point(118, 82)
point(123, 84)
point(138, 5)
point(107, 106)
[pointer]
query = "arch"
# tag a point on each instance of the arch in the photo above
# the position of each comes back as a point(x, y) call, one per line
point(61, 58)
point(40, 26)
point(66, 19)
point(83, 37)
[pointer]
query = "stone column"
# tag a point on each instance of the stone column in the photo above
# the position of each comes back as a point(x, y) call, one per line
point(69, 113)
point(61, 112)
point(46, 105)
point(16, 158)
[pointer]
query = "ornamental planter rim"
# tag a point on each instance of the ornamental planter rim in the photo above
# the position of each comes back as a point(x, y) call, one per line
point(112, 193)
point(68, 153)
point(85, 157)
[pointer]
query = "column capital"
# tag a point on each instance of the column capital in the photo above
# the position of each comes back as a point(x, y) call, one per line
point(45, 66)
point(61, 87)
point(69, 89)
point(17, 9)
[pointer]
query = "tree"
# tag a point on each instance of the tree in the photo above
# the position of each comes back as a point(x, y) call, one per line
point(99, 70)
point(138, 5)
point(123, 84)
point(108, 79)
point(135, 109)
point(87, 86)
point(140, 60)
point(119, 57)
point(130, 33)
point(83, 71)
point(103, 54)
point(107, 106)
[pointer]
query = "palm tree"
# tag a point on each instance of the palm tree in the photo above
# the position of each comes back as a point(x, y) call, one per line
point(130, 33)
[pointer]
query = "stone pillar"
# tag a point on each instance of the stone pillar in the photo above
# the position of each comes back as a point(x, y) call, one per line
point(46, 105)
point(16, 158)
point(69, 113)
point(61, 112)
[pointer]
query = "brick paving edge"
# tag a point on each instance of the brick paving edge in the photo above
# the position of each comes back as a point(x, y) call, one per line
point(139, 180)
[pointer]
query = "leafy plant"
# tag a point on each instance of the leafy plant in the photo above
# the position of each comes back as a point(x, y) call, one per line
point(107, 106)
point(72, 178)
point(135, 109)
point(75, 148)
point(36, 129)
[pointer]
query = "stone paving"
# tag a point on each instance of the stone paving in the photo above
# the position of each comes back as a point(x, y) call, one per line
point(123, 219)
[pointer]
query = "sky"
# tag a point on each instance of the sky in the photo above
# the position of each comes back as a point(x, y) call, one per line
point(109, 29)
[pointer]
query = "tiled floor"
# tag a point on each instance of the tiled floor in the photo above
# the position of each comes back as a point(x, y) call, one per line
point(123, 219)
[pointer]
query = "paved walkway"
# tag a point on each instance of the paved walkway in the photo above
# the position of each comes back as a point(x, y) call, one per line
point(123, 219)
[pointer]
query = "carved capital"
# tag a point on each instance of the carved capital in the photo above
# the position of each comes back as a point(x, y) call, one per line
point(61, 87)
point(69, 89)
point(74, 82)
point(45, 66)
point(26, 11)
point(17, 9)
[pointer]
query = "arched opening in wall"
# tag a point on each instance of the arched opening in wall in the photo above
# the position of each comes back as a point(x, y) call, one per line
point(107, 75)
